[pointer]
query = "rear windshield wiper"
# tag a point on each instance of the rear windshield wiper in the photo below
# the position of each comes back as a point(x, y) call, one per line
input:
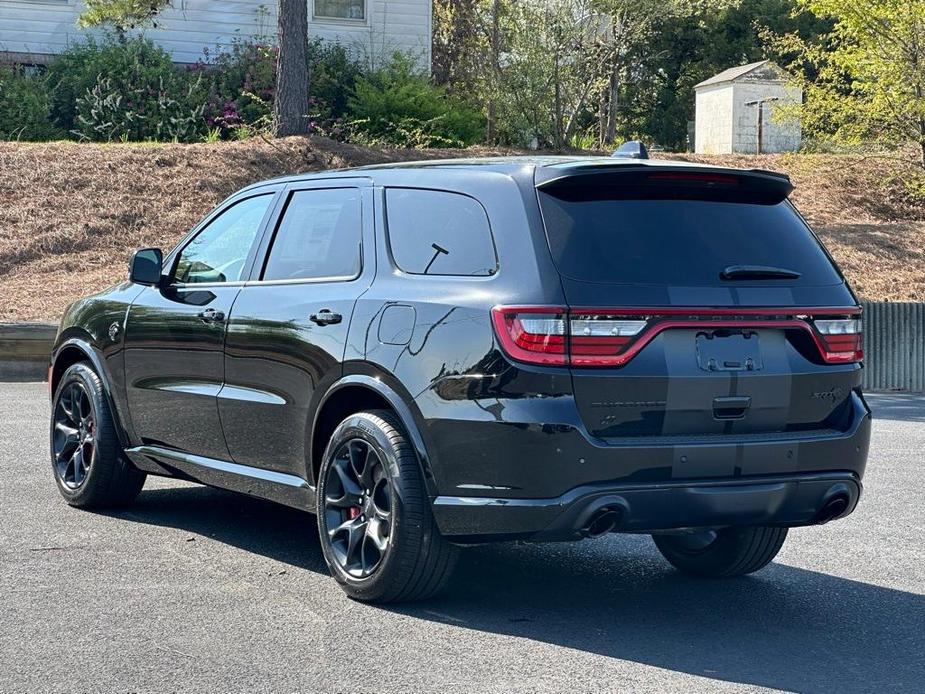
point(758, 272)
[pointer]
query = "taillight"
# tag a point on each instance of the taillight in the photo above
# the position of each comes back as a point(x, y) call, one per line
point(554, 335)
point(840, 340)
point(533, 335)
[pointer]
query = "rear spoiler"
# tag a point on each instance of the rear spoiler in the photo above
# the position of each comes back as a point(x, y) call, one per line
point(644, 181)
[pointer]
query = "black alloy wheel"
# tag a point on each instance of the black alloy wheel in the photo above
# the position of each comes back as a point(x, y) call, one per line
point(358, 508)
point(378, 534)
point(74, 435)
point(87, 458)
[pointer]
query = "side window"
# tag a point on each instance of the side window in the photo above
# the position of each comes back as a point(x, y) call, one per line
point(434, 232)
point(218, 252)
point(318, 237)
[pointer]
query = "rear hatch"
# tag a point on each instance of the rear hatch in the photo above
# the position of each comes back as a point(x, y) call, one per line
point(699, 303)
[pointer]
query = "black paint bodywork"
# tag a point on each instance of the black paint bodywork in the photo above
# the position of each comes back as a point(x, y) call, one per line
point(507, 449)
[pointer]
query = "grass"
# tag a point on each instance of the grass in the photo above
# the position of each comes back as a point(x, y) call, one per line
point(71, 214)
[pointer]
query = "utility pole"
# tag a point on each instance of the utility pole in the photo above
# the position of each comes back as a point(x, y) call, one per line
point(760, 129)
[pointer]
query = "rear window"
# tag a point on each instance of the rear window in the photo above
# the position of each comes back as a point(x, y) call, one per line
point(679, 242)
point(434, 232)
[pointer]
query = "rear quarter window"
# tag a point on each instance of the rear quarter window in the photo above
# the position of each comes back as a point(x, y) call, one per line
point(679, 242)
point(433, 232)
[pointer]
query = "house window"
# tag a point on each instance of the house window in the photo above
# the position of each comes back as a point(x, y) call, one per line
point(340, 9)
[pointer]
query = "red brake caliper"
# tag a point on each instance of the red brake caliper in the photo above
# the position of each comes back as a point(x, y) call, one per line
point(353, 512)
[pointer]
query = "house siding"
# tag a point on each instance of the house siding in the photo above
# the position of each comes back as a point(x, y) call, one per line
point(34, 31)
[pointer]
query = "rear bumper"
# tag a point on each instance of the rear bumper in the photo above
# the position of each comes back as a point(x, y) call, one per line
point(546, 483)
point(774, 500)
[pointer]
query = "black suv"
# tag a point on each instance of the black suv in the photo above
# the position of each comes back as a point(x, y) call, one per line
point(450, 352)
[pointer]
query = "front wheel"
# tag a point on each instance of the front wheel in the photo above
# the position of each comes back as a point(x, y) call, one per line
point(722, 553)
point(378, 533)
point(86, 457)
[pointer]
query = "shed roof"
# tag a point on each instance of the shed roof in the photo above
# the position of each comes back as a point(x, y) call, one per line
point(735, 73)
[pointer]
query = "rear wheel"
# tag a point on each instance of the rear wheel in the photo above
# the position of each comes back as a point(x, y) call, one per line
point(378, 534)
point(86, 456)
point(726, 552)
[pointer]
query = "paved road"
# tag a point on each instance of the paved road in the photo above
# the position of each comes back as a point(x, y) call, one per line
point(195, 589)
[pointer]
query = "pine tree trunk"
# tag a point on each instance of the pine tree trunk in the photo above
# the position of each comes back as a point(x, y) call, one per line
point(290, 110)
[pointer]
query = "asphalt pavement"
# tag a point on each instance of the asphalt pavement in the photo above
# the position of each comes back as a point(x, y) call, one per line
point(193, 589)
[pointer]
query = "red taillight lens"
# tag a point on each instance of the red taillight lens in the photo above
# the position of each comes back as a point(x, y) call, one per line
point(841, 340)
point(533, 335)
point(547, 335)
point(554, 335)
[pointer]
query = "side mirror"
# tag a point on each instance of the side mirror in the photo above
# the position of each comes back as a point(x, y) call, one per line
point(146, 266)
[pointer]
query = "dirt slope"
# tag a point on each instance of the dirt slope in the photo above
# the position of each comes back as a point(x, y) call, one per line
point(70, 214)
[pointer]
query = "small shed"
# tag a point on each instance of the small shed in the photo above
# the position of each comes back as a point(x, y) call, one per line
point(735, 111)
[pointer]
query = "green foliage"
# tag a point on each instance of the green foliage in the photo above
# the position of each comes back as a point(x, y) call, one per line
point(398, 105)
point(333, 73)
point(685, 48)
point(126, 90)
point(121, 15)
point(602, 70)
point(243, 86)
point(169, 110)
point(865, 79)
point(137, 63)
point(25, 103)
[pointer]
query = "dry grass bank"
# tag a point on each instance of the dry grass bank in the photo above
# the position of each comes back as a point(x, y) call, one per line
point(70, 213)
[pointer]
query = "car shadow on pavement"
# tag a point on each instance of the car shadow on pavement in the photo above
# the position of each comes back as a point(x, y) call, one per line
point(785, 627)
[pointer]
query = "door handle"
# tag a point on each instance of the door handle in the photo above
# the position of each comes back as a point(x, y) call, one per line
point(210, 315)
point(325, 317)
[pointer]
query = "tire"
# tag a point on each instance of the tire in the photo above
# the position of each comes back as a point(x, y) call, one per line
point(416, 560)
point(83, 427)
point(732, 551)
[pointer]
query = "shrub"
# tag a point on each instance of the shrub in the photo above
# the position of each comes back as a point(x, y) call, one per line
point(25, 104)
point(244, 85)
point(78, 69)
point(166, 111)
point(126, 90)
point(333, 73)
point(399, 105)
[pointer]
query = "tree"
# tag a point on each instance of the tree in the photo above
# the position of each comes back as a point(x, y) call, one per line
point(122, 15)
point(696, 41)
point(870, 73)
point(290, 108)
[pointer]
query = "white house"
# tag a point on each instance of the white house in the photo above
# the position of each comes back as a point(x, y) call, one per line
point(34, 31)
point(736, 107)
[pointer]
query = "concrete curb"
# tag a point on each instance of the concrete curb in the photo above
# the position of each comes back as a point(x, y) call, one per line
point(25, 349)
